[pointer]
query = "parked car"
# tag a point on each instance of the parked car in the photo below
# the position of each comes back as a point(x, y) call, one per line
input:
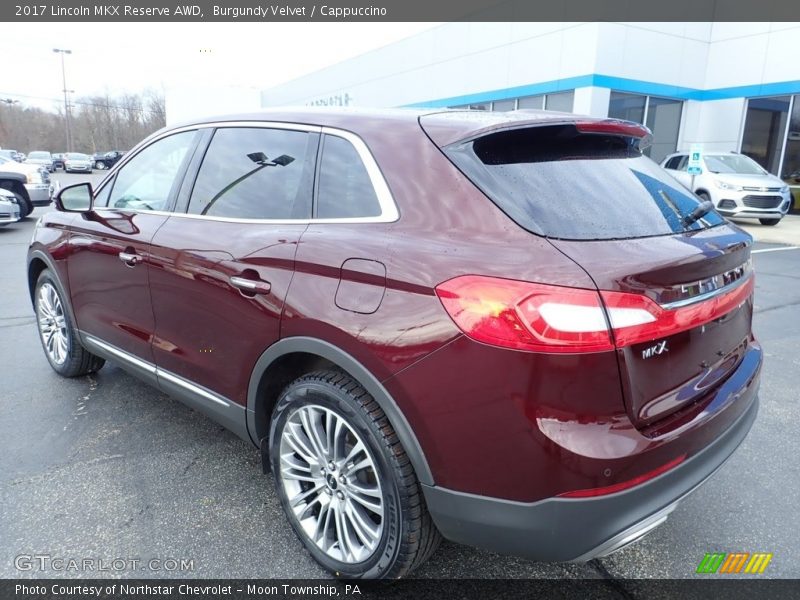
point(75, 161)
point(30, 183)
point(9, 208)
point(11, 154)
point(58, 160)
point(106, 160)
point(736, 184)
point(512, 330)
point(793, 181)
point(41, 159)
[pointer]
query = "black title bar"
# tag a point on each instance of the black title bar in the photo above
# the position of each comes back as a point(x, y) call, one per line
point(398, 10)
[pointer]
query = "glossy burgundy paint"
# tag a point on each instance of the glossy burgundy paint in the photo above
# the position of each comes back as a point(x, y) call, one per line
point(491, 421)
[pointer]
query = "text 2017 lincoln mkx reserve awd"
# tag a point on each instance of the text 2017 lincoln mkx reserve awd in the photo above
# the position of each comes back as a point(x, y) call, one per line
point(510, 330)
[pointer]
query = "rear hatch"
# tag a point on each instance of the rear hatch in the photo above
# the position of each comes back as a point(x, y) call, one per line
point(676, 289)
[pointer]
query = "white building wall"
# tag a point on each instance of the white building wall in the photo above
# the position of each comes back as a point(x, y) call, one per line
point(713, 67)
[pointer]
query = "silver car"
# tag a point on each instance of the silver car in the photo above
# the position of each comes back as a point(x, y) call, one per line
point(75, 161)
point(40, 158)
point(736, 185)
point(9, 209)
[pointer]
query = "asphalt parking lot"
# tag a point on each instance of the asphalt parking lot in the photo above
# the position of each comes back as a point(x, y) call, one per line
point(106, 467)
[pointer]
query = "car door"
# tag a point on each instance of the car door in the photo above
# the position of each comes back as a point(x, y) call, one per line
point(108, 251)
point(676, 166)
point(223, 267)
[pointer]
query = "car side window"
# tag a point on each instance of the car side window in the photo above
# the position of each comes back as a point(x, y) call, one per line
point(146, 181)
point(256, 173)
point(683, 163)
point(345, 189)
point(672, 163)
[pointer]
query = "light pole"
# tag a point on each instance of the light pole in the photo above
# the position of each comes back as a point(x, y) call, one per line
point(66, 102)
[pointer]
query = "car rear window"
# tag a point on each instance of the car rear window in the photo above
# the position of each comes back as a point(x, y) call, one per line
point(558, 182)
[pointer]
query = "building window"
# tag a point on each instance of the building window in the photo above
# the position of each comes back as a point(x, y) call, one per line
point(560, 101)
point(764, 130)
point(504, 105)
point(661, 115)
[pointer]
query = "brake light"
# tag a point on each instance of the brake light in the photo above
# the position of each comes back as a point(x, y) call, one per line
point(613, 126)
point(548, 318)
point(624, 485)
point(526, 316)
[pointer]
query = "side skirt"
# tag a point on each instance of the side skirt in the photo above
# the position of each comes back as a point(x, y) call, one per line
point(227, 413)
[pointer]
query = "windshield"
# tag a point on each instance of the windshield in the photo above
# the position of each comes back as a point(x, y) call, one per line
point(45, 155)
point(732, 163)
point(76, 156)
point(558, 183)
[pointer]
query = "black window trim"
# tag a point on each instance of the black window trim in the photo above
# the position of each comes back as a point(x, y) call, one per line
point(389, 211)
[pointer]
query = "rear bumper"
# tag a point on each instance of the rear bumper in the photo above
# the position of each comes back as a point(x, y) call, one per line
point(39, 193)
point(578, 530)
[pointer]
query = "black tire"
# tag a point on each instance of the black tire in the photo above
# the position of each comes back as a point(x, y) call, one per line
point(409, 536)
point(25, 206)
point(769, 222)
point(703, 196)
point(77, 361)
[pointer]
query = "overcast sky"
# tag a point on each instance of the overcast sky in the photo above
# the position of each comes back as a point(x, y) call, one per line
point(129, 57)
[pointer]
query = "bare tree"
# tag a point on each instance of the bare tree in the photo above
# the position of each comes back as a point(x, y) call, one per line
point(98, 123)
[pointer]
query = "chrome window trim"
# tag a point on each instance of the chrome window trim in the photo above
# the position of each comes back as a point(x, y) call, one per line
point(389, 211)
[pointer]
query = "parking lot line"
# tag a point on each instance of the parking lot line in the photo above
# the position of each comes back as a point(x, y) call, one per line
point(775, 249)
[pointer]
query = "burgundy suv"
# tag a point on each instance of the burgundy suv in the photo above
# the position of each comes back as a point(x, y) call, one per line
point(511, 330)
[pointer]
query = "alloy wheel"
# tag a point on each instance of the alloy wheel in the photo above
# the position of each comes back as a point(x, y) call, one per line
point(332, 483)
point(52, 324)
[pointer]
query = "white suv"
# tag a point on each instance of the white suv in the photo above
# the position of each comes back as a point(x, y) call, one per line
point(736, 184)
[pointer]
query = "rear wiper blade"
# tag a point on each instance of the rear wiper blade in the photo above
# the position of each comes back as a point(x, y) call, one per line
point(700, 211)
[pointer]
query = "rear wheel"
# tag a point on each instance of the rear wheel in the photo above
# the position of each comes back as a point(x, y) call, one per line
point(345, 482)
point(769, 221)
point(58, 334)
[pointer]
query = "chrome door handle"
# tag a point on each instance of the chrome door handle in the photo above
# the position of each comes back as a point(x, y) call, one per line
point(251, 286)
point(130, 259)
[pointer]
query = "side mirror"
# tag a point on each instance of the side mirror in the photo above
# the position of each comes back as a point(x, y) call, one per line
point(75, 198)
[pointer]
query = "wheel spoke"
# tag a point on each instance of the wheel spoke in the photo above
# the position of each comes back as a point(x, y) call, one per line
point(297, 500)
point(310, 419)
point(374, 506)
point(367, 531)
point(294, 437)
point(373, 491)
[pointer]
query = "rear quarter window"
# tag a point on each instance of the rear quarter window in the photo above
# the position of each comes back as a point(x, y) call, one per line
point(345, 189)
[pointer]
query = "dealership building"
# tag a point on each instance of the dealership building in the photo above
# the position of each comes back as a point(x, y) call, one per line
point(727, 86)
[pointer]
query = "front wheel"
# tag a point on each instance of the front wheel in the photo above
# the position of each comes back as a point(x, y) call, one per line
point(58, 334)
point(769, 221)
point(345, 482)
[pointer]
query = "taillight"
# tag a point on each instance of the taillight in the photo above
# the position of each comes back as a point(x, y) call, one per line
point(655, 322)
point(549, 318)
point(526, 316)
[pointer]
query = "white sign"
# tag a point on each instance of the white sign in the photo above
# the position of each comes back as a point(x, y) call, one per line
point(695, 166)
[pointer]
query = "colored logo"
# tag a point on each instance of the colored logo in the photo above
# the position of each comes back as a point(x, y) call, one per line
point(734, 562)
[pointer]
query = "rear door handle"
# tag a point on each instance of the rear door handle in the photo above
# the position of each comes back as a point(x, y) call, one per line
point(130, 259)
point(250, 286)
